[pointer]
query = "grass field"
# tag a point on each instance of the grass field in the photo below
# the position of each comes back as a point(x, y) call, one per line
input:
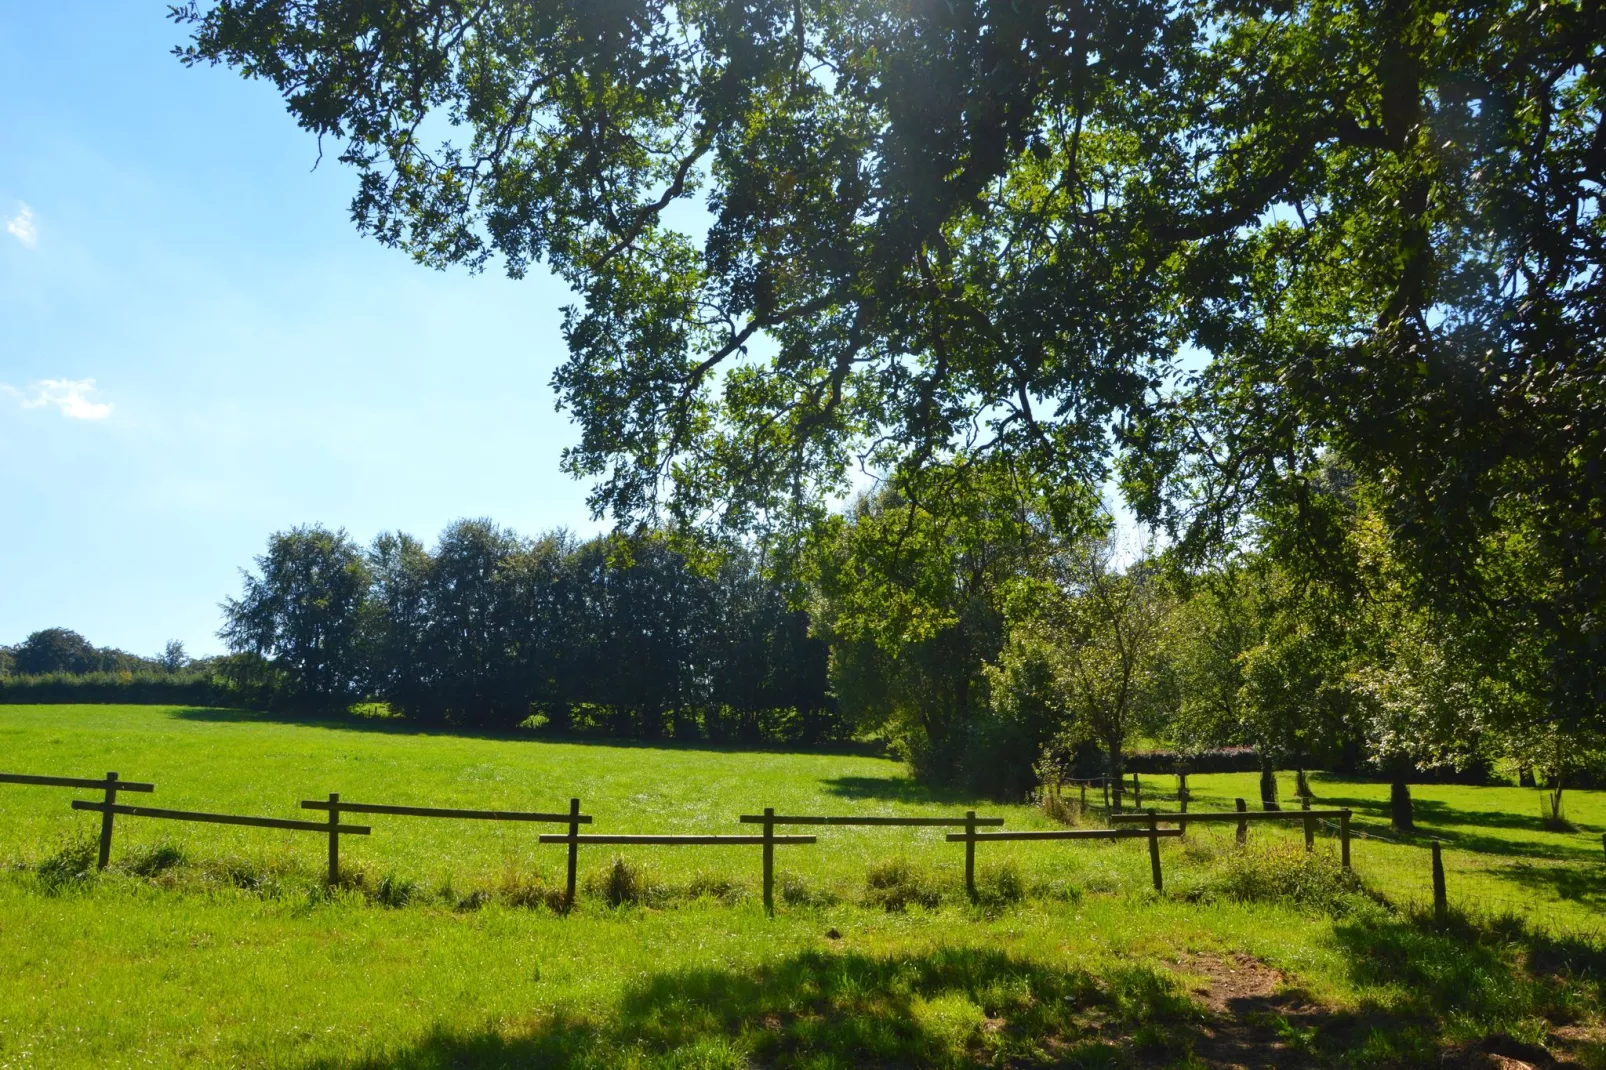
point(213, 945)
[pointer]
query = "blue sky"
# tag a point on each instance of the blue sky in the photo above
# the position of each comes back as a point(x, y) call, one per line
point(197, 348)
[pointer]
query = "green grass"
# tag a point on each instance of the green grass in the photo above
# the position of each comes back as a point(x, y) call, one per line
point(215, 945)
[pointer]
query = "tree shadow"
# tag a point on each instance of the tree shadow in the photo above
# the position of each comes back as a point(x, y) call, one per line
point(1585, 886)
point(1492, 973)
point(826, 1008)
point(400, 726)
point(1454, 827)
point(894, 789)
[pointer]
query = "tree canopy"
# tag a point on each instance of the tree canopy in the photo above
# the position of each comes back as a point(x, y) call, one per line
point(1198, 245)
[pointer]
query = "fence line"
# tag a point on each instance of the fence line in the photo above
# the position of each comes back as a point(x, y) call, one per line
point(111, 785)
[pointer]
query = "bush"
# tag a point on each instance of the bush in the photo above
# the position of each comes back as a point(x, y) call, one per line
point(894, 885)
point(1286, 872)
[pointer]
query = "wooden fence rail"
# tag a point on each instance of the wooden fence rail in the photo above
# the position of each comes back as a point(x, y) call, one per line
point(768, 840)
point(970, 822)
point(111, 786)
point(574, 819)
point(1153, 833)
point(108, 809)
point(1242, 816)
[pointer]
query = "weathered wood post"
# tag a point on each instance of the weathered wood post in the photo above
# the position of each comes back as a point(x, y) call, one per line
point(1107, 810)
point(334, 838)
point(574, 852)
point(1310, 823)
point(1343, 837)
point(970, 854)
point(1154, 851)
point(769, 860)
point(1137, 793)
point(1441, 904)
point(106, 822)
point(1084, 806)
point(1243, 826)
point(1182, 793)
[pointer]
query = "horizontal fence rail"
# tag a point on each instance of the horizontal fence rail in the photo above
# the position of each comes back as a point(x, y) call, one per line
point(899, 822)
point(334, 830)
point(111, 785)
point(1243, 815)
point(74, 782)
point(1070, 834)
point(768, 841)
point(1154, 834)
point(444, 812)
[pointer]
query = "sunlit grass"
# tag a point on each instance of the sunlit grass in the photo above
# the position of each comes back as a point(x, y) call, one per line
point(211, 945)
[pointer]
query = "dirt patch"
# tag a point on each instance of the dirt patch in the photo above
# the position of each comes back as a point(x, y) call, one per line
point(1256, 1018)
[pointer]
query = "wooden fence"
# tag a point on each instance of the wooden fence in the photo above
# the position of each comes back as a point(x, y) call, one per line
point(1150, 822)
point(1242, 816)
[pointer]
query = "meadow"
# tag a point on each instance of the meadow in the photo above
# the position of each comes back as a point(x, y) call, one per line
point(218, 946)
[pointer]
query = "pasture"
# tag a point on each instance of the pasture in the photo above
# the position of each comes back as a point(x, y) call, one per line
point(214, 945)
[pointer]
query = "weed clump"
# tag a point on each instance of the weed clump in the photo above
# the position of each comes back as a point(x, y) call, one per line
point(394, 891)
point(892, 886)
point(714, 886)
point(1286, 872)
point(73, 864)
point(795, 893)
point(621, 883)
point(529, 892)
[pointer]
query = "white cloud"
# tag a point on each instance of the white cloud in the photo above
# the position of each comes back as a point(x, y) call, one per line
point(71, 396)
point(21, 226)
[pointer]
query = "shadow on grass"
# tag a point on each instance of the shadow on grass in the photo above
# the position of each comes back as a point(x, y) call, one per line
point(893, 789)
point(1582, 885)
point(401, 726)
point(955, 1006)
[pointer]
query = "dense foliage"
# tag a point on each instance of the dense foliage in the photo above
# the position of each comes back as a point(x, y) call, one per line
point(630, 637)
point(1201, 244)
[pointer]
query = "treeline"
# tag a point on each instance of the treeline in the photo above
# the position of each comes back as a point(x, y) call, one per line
point(635, 637)
point(1007, 637)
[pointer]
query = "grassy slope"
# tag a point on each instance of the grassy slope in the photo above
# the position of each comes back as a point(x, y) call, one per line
point(235, 957)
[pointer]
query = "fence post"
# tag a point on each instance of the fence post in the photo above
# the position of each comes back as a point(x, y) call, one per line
point(1310, 823)
point(1154, 851)
point(1084, 807)
point(574, 851)
point(1441, 906)
point(769, 860)
point(1137, 793)
point(970, 854)
point(1343, 836)
point(1243, 826)
point(106, 821)
point(1182, 795)
point(1106, 782)
point(334, 838)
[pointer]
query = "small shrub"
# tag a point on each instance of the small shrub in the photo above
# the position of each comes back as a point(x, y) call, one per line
point(153, 861)
point(72, 864)
point(1286, 872)
point(894, 885)
point(622, 882)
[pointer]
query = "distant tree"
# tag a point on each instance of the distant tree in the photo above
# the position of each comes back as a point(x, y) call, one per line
point(304, 610)
point(173, 658)
point(8, 661)
point(57, 650)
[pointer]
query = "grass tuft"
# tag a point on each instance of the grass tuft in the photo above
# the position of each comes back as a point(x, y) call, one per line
point(1273, 871)
point(893, 885)
point(71, 865)
point(623, 883)
point(154, 860)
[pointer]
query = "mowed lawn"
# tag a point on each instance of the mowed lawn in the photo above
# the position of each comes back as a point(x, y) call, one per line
point(214, 945)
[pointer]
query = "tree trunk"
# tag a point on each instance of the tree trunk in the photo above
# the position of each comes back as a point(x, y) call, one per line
point(1268, 785)
point(1525, 776)
point(1301, 784)
point(1400, 809)
point(1115, 772)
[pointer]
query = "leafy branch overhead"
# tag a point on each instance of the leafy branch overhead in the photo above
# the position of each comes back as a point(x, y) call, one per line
point(1196, 246)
